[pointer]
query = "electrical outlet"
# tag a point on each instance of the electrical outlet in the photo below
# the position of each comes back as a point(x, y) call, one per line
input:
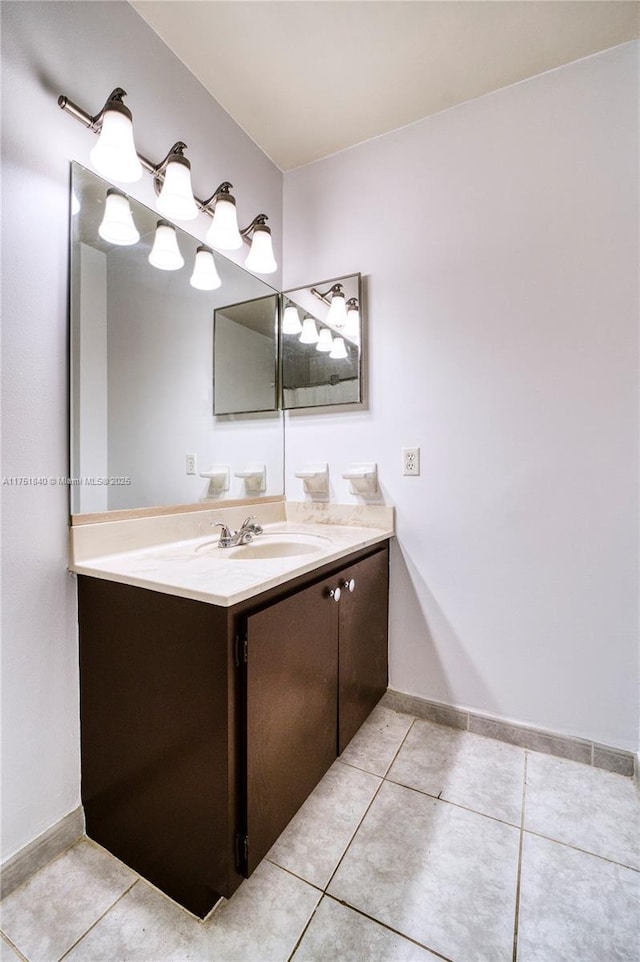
point(191, 463)
point(411, 461)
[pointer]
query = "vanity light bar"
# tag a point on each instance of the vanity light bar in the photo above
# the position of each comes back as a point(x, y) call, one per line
point(174, 167)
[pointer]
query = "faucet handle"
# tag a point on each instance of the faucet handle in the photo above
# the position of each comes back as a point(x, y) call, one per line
point(225, 534)
point(251, 524)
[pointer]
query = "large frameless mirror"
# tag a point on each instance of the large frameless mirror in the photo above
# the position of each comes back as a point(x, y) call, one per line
point(321, 338)
point(144, 432)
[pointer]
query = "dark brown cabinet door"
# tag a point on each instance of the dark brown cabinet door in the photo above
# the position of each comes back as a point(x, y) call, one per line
point(292, 677)
point(362, 642)
point(155, 758)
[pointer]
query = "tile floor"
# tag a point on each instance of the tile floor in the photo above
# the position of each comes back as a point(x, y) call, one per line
point(421, 843)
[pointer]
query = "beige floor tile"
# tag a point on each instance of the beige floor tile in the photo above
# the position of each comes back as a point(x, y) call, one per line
point(261, 923)
point(479, 773)
point(576, 907)
point(264, 919)
point(375, 744)
point(315, 840)
point(46, 915)
point(444, 876)
point(436, 870)
point(591, 809)
point(7, 954)
point(338, 933)
point(144, 926)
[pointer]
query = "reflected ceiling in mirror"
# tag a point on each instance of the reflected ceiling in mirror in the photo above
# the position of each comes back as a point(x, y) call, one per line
point(321, 343)
point(142, 366)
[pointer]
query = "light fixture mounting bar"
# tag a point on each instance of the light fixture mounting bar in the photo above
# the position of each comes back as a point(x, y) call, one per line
point(94, 123)
point(336, 289)
point(65, 104)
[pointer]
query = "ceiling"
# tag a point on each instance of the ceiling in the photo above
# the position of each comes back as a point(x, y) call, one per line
point(306, 78)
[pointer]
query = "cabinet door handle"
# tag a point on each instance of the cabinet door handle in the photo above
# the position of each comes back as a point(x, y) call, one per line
point(349, 585)
point(335, 594)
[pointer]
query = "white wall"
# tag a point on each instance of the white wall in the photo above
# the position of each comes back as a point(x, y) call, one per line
point(82, 50)
point(500, 245)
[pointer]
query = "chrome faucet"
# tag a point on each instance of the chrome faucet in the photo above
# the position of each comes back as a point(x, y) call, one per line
point(226, 535)
point(245, 533)
point(250, 526)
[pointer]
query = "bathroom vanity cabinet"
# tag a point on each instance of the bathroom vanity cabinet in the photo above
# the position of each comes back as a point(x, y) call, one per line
point(205, 728)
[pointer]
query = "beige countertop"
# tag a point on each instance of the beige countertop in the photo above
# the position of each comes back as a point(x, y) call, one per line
point(195, 567)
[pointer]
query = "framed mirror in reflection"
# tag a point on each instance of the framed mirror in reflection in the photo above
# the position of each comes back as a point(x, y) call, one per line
point(143, 301)
point(321, 343)
point(245, 363)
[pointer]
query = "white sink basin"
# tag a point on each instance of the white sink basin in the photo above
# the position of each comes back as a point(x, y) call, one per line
point(270, 545)
point(275, 548)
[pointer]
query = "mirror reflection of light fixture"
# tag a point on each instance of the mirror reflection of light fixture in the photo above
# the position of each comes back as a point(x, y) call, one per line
point(173, 180)
point(291, 323)
point(115, 157)
point(117, 226)
point(309, 333)
point(223, 231)
point(325, 341)
point(315, 380)
point(338, 349)
point(352, 327)
point(75, 204)
point(260, 258)
point(337, 315)
point(334, 297)
point(205, 277)
point(165, 253)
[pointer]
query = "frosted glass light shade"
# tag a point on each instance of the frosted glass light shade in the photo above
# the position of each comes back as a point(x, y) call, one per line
point(205, 277)
point(114, 156)
point(309, 331)
point(337, 315)
point(325, 341)
point(165, 253)
point(260, 259)
point(117, 226)
point(176, 196)
point(291, 320)
point(352, 327)
point(338, 349)
point(223, 232)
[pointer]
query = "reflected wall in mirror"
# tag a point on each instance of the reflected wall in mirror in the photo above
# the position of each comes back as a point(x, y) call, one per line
point(245, 357)
point(142, 369)
point(321, 343)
